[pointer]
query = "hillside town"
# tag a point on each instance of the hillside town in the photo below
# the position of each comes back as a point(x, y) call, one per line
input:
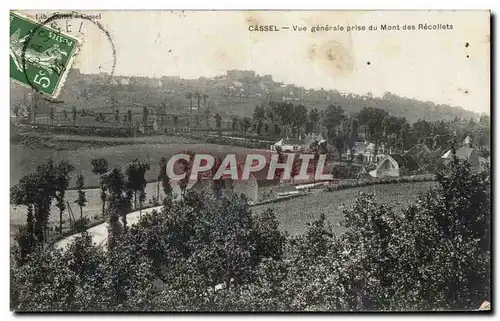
point(364, 148)
point(134, 188)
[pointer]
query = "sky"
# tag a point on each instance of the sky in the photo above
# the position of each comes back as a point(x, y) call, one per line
point(444, 66)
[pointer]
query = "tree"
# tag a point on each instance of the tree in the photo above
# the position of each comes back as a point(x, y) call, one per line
point(25, 192)
point(422, 129)
point(190, 97)
point(145, 116)
point(36, 104)
point(198, 99)
point(190, 248)
point(36, 191)
point(299, 120)
point(483, 136)
point(99, 167)
point(85, 94)
point(136, 178)
point(205, 97)
point(118, 202)
point(391, 128)
point(447, 238)
point(163, 108)
point(271, 115)
point(16, 110)
point(342, 139)
point(129, 118)
point(30, 115)
point(51, 114)
point(336, 126)
point(74, 114)
point(163, 177)
point(207, 117)
point(234, 125)
point(83, 278)
point(259, 113)
point(81, 199)
point(313, 120)
point(186, 166)
point(62, 178)
point(373, 120)
point(334, 116)
point(285, 113)
point(213, 253)
point(245, 124)
point(218, 119)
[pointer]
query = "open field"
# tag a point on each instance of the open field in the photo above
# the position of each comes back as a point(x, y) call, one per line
point(294, 214)
point(24, 159)
point(117, 151)
point(71, 142)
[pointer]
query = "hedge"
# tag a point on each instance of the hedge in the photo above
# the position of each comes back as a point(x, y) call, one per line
point(362, 183)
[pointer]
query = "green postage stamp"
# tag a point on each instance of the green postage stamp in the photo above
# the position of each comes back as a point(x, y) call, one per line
point(40, 56)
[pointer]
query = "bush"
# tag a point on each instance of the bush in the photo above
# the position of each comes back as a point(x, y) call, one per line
point(212, 254)
point(82, 278)
point(378, 181)
point(346, 172)
point(80, 225)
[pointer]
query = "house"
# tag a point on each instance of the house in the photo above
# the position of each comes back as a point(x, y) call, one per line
point(250, 188)
point(468, 141)
point(465, 153)
point(388, 166)
point(419, 155)
point(313, 138)
point(288, 145)
point(394, 165)
point(367, 151)
point(419, 151)
point(363, 173)
point(256, 188)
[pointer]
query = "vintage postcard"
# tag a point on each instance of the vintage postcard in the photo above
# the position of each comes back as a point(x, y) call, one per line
point(223, 161)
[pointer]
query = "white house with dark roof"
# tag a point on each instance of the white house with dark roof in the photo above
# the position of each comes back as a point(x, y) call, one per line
point(367, 150)
point(290, 145)
point(297, 144)
point(464, 154)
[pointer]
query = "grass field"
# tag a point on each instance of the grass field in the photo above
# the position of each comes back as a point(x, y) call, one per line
point(294, 214)
point(79, 150)
point(24, 159)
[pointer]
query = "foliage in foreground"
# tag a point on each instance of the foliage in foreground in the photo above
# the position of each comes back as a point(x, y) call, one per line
point(212, 254)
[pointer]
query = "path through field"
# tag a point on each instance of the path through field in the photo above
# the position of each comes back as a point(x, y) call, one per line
point(99, 232)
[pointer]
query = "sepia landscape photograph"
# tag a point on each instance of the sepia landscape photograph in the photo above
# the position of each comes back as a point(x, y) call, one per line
point(250, 161)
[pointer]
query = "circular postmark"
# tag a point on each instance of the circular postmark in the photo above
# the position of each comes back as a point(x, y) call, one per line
point(57, 67)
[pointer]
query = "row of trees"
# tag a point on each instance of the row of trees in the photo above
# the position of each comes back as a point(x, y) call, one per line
point(198, 96)
point(37, 191)
point(210, 253)
point(120, 191)
point(286, 119)
point(372, 124)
